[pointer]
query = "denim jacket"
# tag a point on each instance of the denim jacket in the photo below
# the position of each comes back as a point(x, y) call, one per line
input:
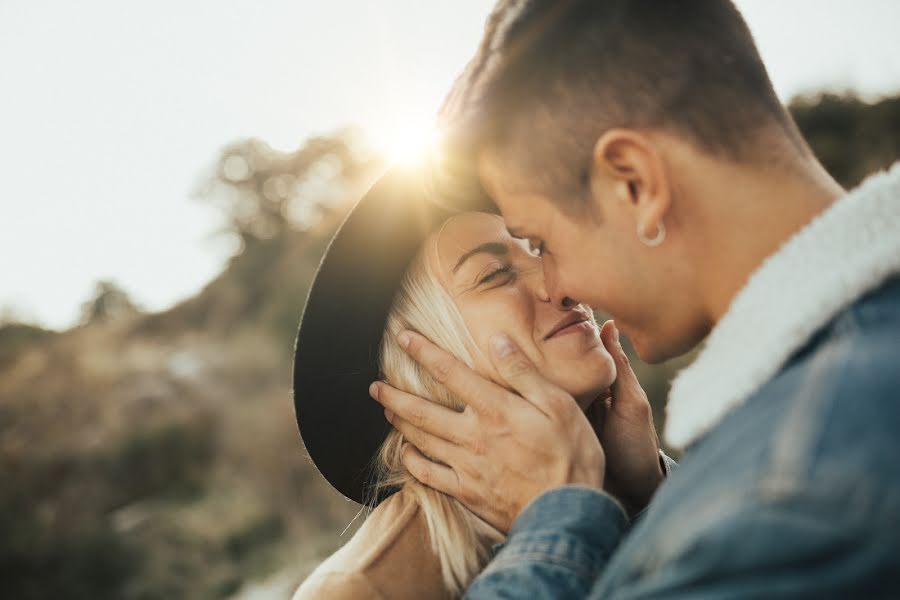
point(792, 492)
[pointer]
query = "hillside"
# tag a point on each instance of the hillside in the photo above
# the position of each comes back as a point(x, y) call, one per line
point(156, 455)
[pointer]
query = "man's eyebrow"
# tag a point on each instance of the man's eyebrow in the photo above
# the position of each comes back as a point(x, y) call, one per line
point(496, 248)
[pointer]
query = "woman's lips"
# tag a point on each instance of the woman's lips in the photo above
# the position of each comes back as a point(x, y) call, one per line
point(577, 327)
point(572, 318)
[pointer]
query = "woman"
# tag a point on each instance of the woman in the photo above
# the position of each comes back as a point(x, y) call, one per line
point(400, 263)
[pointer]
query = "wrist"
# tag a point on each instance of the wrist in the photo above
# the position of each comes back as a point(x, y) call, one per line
point(652, 482)
point(553, 507)
point(637, 494)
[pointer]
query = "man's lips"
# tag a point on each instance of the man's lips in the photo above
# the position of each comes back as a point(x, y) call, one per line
point(569, 320)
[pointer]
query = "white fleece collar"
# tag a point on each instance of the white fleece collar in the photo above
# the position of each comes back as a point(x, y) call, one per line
point(848, 250)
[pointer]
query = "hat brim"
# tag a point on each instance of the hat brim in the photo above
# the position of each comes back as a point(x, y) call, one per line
point(336, 352)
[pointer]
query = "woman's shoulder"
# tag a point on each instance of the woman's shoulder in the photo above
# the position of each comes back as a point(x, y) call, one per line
point(390, 556)
point(337, 585)
point(390, 529)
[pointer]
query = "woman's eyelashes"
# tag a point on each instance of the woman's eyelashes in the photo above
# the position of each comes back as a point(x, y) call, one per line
point(498, 274)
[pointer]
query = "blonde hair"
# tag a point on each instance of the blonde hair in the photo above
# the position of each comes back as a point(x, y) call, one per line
point(461, 540)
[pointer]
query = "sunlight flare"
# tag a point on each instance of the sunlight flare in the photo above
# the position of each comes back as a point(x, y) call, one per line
point(405, 142)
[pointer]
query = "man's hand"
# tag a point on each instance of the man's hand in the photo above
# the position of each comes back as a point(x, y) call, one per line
point(624, 425)
point(505, 448)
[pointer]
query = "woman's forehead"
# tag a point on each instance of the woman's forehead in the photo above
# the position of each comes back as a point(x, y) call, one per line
point(461, 233)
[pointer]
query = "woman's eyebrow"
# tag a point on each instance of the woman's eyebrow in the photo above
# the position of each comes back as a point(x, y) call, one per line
point(496, 248)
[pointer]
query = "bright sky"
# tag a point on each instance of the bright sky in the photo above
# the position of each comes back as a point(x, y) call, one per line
point(111, 111)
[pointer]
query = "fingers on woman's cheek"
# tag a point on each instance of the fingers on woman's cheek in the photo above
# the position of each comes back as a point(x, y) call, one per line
point(481, 357)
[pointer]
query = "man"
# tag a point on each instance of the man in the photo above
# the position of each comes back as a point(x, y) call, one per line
point(639, 146)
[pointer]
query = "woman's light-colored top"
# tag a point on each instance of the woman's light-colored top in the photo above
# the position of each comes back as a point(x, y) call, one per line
point(389, 557)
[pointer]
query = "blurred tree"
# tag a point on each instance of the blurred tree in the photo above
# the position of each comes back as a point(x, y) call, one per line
point(16, 338)
point(265, 191)
point(109, 302)
point(851, 137)
point(283, 207)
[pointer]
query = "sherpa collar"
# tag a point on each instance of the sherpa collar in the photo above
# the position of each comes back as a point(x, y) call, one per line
point(850, 249)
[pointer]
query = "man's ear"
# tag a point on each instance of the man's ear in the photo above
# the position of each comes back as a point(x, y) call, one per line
point(628, 165)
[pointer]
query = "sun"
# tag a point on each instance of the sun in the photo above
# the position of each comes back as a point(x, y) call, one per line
point(405, 142)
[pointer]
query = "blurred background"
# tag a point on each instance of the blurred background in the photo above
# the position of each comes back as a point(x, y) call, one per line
point(170, 174)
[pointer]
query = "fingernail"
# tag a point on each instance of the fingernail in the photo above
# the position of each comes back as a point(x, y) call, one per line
point(503, 346)
point(616, 332)
point(373, 390)
point(403, 339)
point(389, 416)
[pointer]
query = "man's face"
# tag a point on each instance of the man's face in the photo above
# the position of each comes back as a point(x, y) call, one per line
point(594, 257)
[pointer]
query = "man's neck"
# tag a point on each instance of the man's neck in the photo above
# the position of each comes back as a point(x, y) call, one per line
point(750, 214)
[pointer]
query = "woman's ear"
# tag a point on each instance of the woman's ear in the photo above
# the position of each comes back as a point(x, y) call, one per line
point(627, 166)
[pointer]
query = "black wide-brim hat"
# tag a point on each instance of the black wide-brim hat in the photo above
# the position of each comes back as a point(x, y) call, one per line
point(336, 354)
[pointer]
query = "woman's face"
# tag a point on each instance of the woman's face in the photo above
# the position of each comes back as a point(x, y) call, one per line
point(498, 286)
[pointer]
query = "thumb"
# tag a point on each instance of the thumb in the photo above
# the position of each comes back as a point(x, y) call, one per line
point(625, 377)
point(630, 405)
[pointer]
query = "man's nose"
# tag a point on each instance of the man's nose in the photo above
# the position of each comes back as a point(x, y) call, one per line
point(550, 291)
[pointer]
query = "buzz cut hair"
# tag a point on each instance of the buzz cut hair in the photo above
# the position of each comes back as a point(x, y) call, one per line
point(551, 76)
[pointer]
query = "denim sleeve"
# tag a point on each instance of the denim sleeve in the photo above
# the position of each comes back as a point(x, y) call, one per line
point(668, 466)
point(797, 547)
point(557, 547)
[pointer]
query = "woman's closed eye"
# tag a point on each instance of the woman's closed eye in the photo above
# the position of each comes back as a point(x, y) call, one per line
point(498, 274)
